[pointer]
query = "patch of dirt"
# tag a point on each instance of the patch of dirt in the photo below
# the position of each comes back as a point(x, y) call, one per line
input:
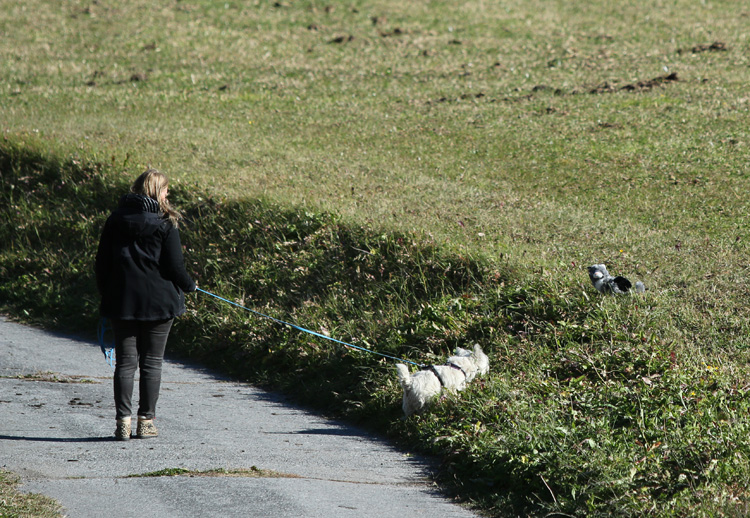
point(252, 472)
point(609, 125)
point(461, 97)
point(76, 401)
point(640, 86)
point(98, 74)
point(51, 377)
point(545, 88)
point(342, 39)
point(717, 46)
point(395, 32)
point(551, 110)
point(604, 88)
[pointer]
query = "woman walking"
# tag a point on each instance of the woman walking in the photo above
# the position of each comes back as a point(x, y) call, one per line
point(141, 277)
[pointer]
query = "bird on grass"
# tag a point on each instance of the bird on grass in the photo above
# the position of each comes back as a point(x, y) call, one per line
point(605, 283)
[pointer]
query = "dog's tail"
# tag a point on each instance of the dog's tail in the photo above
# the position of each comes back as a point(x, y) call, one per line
point(403, 373)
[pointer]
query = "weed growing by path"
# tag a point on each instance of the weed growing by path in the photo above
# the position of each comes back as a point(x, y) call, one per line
point(15, 504)
point(252, 472)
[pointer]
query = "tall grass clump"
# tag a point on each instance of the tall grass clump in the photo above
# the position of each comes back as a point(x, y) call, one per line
point(592, 407)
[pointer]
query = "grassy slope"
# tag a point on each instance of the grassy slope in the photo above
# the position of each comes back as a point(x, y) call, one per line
point(439, 127)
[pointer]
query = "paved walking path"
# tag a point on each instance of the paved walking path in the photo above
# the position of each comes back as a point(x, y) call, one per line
point(57, 423)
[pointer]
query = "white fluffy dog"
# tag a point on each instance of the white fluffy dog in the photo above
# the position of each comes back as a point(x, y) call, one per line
point(422, 386)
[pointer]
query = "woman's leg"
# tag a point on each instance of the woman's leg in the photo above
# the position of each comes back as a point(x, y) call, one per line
point(151, 345)
point(126, 356)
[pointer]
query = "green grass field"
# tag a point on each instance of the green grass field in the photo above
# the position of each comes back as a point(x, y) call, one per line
point(430, 174)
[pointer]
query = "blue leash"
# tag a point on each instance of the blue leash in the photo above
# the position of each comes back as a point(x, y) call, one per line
point(310, 332)
point(107, 349)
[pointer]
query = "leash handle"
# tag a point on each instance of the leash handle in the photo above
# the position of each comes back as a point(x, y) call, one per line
point(319, 335)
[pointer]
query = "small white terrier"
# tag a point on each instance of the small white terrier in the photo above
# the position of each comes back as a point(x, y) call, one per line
point(422, 386)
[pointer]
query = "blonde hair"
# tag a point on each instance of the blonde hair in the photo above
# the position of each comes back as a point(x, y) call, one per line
point(153, 183)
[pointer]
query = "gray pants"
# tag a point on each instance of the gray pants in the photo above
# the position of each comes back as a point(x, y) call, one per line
point(139, 344)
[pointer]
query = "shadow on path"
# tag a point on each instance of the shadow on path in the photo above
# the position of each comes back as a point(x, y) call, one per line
point(56, 439)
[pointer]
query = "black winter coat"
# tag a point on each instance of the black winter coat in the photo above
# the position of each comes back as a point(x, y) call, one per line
point(140, 271)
